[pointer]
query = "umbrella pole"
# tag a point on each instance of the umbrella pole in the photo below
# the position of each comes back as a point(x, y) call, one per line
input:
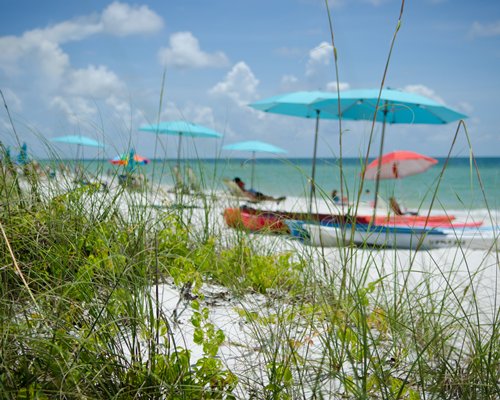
point(313, 172)
point(179, 152)
point(253, 169)
point(381, 150)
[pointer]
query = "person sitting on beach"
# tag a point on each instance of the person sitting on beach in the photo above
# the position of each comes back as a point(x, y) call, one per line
point(254, 195)
point(336, 197)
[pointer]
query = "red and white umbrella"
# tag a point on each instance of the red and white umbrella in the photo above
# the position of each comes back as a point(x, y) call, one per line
point(399, 164)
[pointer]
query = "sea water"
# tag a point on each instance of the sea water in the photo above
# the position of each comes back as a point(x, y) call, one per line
point(463, 184)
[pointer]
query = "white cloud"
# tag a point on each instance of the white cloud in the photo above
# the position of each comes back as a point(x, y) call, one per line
point(95, 82)
point(479, 29)
point(77, 109)
point(121, 19)
point(12, 100)
point(319, 57)
point(185, 52)
point(240, 84)
point(289, 83)
point(38, 53)
point(42, 46)
point(332, 86)
point(190, 112)
point(424, 91)
point(465, 107)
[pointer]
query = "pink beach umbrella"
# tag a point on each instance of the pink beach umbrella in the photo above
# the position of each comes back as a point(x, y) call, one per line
point(399, 164)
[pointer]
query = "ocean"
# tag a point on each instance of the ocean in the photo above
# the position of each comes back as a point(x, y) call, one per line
point(459, 189)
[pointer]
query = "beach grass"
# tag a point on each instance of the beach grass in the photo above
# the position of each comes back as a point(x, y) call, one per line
point(85, 269)
point(126, 291)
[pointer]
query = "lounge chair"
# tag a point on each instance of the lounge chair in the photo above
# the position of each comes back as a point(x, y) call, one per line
point(193, 182)
point(234, 189)
point(179, 185)
point(239, 193)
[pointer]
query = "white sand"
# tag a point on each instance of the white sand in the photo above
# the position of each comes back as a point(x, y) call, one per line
point(458, 275)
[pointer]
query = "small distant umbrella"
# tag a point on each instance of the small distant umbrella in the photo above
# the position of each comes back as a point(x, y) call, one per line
point(181, 128)
point(254, 146)
point(125, 158)
point(399, 164)
point(78, 140)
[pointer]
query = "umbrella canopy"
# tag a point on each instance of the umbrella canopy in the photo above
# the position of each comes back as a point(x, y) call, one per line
point(181, 128)
point(399, 164)
point(297, 104)
point(388, 106)
point(394, 107)
point(301, 104)
point(23, 158)
point(254, 146)
point(123, 159)
point(78, 140)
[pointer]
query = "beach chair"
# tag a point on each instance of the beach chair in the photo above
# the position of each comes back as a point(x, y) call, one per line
point(193, 183)
point(234, 189)
point(239, 193)
point(179, 184)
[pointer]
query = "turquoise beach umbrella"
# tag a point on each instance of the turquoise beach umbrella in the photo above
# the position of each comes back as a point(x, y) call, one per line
point(389, 106)
point(181, 128)
point(254, 146)
point(79, 140)
point(303, 105)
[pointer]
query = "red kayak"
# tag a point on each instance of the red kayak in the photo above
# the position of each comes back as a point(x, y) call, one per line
point(431, 221)
point(255, 220)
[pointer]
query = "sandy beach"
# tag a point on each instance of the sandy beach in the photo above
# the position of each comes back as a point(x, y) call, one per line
point(462, 283)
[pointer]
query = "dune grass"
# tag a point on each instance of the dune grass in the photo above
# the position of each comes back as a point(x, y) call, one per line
point(84, 270)
point(82, 314)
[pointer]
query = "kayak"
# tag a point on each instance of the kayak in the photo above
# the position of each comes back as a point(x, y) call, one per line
point(431, 221)
point(255, 220)
point(334, 235)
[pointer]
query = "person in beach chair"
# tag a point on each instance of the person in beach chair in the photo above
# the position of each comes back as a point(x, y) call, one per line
point(336, 198)
point(252, 195)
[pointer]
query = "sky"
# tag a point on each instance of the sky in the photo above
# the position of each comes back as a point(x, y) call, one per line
point(104, 68)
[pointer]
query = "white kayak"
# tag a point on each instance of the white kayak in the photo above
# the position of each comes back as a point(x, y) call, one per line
point(402, 237)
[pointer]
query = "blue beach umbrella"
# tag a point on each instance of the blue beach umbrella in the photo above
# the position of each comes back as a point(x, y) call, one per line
point(302, 105)
point(181, 128)
point(79, 140)
point(254, 146)
point(389, 106)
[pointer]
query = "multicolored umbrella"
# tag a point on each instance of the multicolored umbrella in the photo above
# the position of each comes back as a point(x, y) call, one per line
point(399, 164)
point(123, 159)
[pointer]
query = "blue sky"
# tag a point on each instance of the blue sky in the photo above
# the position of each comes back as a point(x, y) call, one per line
point(95, 68)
